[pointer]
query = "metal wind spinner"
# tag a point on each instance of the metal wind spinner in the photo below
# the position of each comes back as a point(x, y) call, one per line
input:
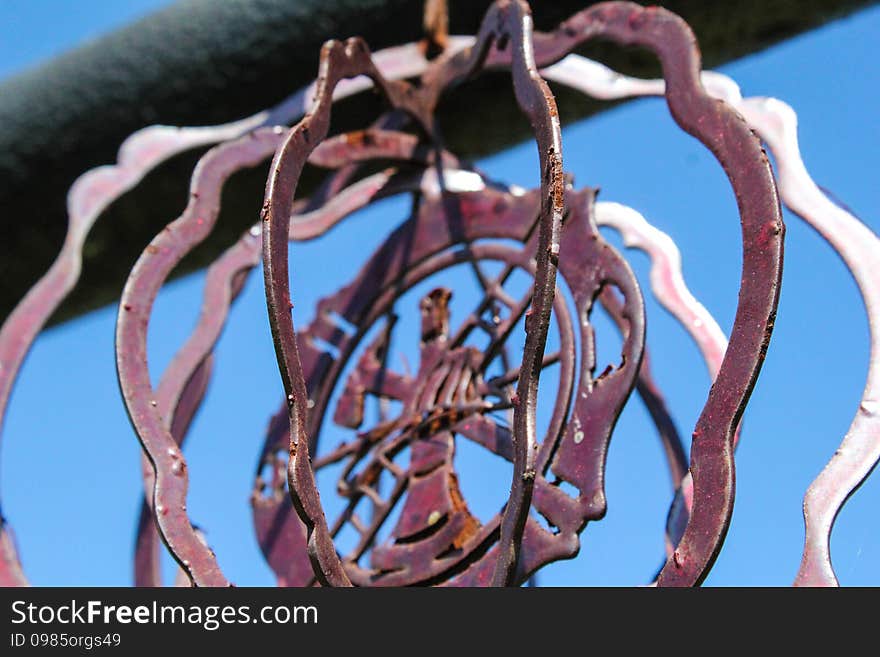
point(398, 484)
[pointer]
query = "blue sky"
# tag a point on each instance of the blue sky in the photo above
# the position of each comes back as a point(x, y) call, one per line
point(35, 30)
point(70, 468)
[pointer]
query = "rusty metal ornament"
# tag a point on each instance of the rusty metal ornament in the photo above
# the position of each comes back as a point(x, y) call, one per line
point(281, 537)
point(451, 396)
point(436, 538)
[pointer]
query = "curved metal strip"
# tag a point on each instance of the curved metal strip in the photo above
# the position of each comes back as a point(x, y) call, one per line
point(529, 88)
point(727, 135)
point(776, 125)
point(184, 381)
point(147, 277)
point(338, 61)
point(147, 571)
point(508, 25)
point(859, 247)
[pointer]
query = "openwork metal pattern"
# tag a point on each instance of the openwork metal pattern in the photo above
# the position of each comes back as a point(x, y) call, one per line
point(395, 478)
